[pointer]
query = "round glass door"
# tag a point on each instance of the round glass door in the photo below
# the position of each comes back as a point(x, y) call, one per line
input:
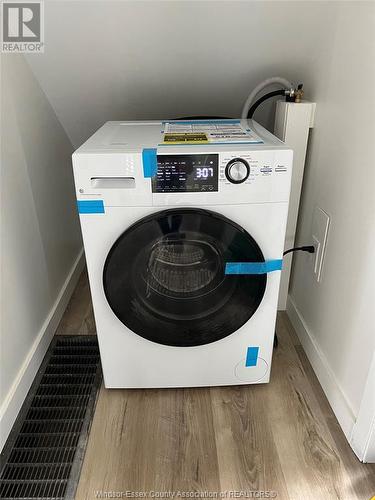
point(164, 278)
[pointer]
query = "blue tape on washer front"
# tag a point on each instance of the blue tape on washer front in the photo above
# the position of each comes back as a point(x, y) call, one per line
point(90, 206)
point(150, 162)
point(253, 267)
point(252, 356)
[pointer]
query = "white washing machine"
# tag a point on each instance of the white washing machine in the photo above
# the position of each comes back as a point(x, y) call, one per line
point(183, 226)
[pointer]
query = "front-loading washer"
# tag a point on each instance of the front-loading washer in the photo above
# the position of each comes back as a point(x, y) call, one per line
point(183, 244)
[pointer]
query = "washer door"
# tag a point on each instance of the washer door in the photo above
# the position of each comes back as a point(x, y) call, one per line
point(164, 277)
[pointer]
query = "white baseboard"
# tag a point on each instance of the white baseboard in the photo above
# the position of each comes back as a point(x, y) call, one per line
point(363, 436)
point(323, 371)
point(26, 374)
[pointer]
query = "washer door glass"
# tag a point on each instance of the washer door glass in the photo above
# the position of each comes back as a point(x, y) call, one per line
point(164, 278)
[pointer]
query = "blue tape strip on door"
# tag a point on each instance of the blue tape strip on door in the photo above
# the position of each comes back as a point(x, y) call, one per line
point(253, 267)
point(150, 162)
point(90, 206)
point(252, 356)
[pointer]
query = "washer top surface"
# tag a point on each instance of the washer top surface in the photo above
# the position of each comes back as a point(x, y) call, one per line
point(133, 136)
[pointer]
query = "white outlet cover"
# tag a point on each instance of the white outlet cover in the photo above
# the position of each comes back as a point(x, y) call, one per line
point(320, 226)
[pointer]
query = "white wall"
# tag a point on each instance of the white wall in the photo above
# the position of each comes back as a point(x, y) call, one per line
point(40, 241)
point(136, 60)
point(335, 317)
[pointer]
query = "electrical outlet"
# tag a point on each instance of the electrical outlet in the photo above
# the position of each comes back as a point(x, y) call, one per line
point(320, 225)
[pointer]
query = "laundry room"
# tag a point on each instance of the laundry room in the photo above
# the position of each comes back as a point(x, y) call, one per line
point(187, 249)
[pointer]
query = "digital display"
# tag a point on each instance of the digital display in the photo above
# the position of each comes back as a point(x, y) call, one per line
point(186, 173)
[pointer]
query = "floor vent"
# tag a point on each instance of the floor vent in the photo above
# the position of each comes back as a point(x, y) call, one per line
point(43, 456)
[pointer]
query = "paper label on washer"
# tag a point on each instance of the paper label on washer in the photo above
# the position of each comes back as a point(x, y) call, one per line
point(208, 132)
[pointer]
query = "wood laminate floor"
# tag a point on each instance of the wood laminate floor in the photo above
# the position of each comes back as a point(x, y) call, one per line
point(281, 437)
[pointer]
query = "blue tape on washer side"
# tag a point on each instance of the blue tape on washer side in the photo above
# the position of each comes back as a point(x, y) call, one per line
point(150, 162)
point(252, 356)
point(253, 267)
point(90, 206)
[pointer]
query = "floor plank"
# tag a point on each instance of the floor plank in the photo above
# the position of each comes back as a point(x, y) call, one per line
point(281, 436)
point(363, 476)
point(248, 459)
point(310, 460)
point(78, 318)
point(151, 440)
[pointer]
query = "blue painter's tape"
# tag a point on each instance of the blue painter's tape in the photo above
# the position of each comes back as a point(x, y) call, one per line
point(150, 162)
point(252, 356)
point(90, 206)
point(253, 267)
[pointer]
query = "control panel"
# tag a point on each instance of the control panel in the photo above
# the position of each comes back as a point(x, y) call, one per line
point(125, 165)
point(224, 177)
point(197, 173)
point(186, 173)
point(215, 178)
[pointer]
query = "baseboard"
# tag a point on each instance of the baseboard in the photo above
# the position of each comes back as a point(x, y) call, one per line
point(323, 371)
point(363, 436)
point(20, 387)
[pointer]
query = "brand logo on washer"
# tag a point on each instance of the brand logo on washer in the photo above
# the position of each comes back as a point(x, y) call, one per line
point(22, 24)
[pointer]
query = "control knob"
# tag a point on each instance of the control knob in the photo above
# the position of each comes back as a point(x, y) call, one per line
point(237, 170)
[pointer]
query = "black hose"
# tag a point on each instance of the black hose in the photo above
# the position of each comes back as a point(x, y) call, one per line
point(262, 99)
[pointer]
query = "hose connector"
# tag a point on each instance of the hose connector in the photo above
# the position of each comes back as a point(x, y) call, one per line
point(294, 94)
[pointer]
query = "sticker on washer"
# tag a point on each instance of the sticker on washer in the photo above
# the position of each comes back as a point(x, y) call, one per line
point(185, 138)
point(208, 132)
